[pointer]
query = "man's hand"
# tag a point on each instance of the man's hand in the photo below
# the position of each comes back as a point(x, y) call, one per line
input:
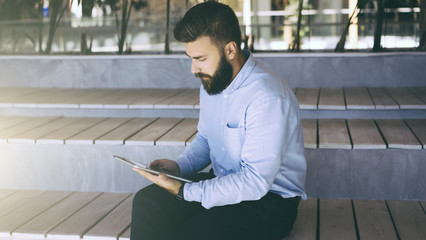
point(163, 165)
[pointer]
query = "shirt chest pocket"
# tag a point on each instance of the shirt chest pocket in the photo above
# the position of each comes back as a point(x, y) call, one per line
point(233, 139)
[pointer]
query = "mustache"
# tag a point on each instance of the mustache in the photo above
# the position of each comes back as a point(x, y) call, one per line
point(203, 75)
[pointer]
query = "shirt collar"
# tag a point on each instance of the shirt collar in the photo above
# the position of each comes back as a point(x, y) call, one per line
point(242, 74)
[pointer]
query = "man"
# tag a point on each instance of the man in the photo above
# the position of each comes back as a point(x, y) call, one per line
point(249, 131)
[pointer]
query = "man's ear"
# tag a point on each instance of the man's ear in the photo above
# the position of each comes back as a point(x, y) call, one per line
point(231, 50)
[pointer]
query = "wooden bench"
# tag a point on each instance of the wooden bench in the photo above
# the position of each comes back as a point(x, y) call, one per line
point(309, 98)
point(318, 133)
point(30, 214)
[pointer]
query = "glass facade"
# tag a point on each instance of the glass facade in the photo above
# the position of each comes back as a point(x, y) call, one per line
point(95, 26)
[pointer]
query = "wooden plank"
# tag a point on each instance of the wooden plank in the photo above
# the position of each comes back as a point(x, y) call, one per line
point(154, 131)
point(307, 98)
point(29, 210)
point(331, 99)
point(125, 235)
point(118, 135)
point(113, 224)
point(409, 219)
point(398, 135)
point(4, 193)
point(333, 133)
point(358, 98)
point(406, 99)
point(191, 139)
point(23, 127)
point(89, 135)
point(102, 96)
point(382, 100)
point(12, 121)
point(82, 221)
point(60, 135)
point(32, 135)
point(418, 126)
point(180, 133)
point(336, 219)
point(374, 221)
point(42, 224)
point(29, 100)
point(420, 92)
point(15, 200)
point(152, 97)
point(365, 135)
point(309, 128)
point(305, 227)
point(185, 99)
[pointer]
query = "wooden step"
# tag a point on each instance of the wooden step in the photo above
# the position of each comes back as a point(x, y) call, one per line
point(308, 98)
point(322, 133)
point(105, 216)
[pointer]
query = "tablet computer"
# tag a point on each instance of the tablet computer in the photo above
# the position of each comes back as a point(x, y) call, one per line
point(146, 169)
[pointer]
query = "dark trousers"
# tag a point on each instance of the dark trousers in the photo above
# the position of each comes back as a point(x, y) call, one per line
point(157, 214)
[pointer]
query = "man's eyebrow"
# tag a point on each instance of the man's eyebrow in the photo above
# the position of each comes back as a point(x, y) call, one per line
point(196, 57)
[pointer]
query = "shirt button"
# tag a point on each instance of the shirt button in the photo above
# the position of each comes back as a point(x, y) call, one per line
point(221, 170)
point(223, 149)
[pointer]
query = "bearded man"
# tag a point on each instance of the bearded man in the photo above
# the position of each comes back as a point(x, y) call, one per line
point(249, 131)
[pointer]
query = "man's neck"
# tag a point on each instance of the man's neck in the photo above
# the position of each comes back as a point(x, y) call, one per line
point(239, 62)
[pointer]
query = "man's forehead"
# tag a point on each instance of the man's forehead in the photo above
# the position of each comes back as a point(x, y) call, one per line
point(202, 46)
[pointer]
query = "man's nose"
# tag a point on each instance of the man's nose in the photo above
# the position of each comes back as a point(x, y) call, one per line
point(194, 68)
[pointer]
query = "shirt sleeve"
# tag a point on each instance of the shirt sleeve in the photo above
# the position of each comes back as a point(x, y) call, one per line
point(195, 158)
point(270, 125)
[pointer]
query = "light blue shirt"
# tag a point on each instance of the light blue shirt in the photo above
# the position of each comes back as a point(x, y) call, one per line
point(252, 135)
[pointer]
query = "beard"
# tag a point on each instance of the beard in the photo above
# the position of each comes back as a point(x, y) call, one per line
point(220, 80)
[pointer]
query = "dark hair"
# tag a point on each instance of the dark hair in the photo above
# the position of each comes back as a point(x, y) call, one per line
point(213, 19)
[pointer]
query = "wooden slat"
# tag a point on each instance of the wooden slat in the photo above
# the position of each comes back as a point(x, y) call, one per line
point(358, 98)
point(125, 235)
point(382, 100)
point(331, 99)
point(409, 219)
point(59, 136)
point(113, 224)
point(118, 135)
point(15, 200)
point(420, 92)
point(80, 222)
point(25, 126)
point(191, 139)
point(365, 135)
point(180, 133)
point(127, 96)
point(29, 210)
point(373, 220)
point(152, 97)
point(150, 134)
point(305, 227)
point(333, 133)
point(102, 96)
point(12, 121)
point(4, 193)
point(398, 135)
point(183, 100)
point(406, 99)
point(309, 128)
point(336, 219)
point(88, 136)
point(42, 224)
point(29, 100)
point(307, 98)
point(418, 126)
point(32, 135)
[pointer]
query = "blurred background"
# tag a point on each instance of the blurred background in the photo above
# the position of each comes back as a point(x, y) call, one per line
point(75, 27)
